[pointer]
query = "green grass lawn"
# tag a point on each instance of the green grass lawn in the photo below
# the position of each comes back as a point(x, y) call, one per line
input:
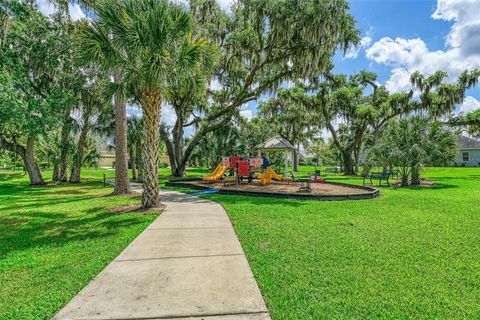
point(55, 239)
point(413, 253)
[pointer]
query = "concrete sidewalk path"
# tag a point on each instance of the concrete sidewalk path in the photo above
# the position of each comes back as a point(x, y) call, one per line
point(188, 264)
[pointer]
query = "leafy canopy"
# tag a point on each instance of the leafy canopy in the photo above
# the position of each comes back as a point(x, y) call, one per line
point(145, 43)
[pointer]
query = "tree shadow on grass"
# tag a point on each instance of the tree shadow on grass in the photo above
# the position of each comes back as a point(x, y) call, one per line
point(24, 197)
point(42, 202)
point(458, 178)
point(13, 175)
point(435, 186)
point(55, 229)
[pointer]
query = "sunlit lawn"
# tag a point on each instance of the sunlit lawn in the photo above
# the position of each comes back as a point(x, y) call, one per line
point(413, 253)
point(55, 239)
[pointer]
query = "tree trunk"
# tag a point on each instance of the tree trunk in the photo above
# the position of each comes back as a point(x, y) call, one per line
point(178, 149)
point(31, 165)
point(348, 163)
point(139, 161)
point(151, 104)
point(415, 176)
point(133, 163)
point(295, 160)
point(357, 158)
point(179, 171)
point(122, 183)
point(170, 152)
point(27, 155)
point(78, 159)
point(405, 174)
point(64, 143)
point(56, 169)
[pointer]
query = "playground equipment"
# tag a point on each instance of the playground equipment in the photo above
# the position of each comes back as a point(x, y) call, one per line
point(278, 144)
point(265, 178)
point(217, 174)
point(241, 169)
point(276, 176)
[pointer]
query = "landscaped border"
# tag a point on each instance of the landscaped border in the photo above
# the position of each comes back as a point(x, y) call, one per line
point(370, 192)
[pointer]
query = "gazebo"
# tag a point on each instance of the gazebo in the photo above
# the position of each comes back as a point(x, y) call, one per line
point(277, 144)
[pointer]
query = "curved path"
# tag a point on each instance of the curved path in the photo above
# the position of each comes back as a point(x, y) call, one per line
point(188, 264)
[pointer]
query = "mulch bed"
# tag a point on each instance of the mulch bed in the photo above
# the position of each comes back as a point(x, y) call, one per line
point(424, 183)
point(292, 188)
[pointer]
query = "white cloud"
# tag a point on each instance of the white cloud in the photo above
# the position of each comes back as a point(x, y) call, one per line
point(469, 104)
point(168, 115)
point(399, 80)
point(215, 84)
point(408, 55)
point(225, 5)
point(352, 53)
point(133, 110)
point(47, 8)
point(76, 12)
point(247, 114)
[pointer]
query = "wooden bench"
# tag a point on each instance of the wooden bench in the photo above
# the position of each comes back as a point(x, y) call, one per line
point(380, 176)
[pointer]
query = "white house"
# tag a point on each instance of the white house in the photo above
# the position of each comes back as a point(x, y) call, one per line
point(468, 152)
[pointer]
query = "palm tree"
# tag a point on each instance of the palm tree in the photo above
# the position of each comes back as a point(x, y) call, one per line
point(135, 142)
point(145, 42)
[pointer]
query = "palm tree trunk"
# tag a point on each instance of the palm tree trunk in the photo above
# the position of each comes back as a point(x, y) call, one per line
point(133, 163)
point(415, 175)
point(122, 183)
point(151, 103)
point(139, 161)
point(56, 169)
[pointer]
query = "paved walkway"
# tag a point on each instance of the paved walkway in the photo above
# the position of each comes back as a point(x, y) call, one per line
point(188, 264)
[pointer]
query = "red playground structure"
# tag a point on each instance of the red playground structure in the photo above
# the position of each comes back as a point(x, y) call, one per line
point(235, 170)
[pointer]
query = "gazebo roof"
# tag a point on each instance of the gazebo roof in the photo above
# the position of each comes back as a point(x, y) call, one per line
point(275, 144)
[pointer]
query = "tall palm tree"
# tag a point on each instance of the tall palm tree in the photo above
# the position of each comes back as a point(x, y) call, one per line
point(135, 141)
point(146, 42)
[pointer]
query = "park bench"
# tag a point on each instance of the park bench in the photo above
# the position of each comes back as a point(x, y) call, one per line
point(332, 170)
point(380, 176)
point(393, 173)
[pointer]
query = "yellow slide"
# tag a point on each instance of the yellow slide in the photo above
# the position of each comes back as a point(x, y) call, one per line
point(276, 176)
point(216, 174)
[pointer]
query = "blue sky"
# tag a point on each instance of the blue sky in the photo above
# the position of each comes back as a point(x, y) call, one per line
point(402, 36)
point(398, 38)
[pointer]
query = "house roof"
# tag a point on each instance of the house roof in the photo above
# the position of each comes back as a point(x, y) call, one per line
point(275, 144)
point(467, 143)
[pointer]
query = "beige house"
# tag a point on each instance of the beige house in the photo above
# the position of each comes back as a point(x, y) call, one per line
point(106, 159)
